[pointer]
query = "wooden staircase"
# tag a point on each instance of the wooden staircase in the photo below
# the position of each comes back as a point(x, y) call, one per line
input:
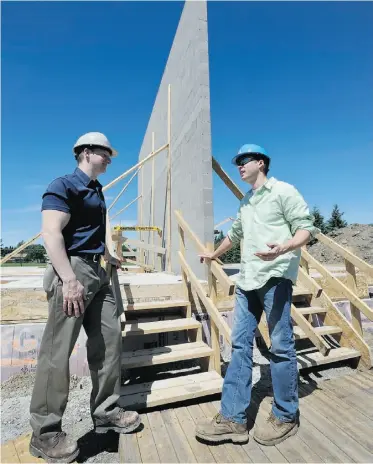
point(158, 392)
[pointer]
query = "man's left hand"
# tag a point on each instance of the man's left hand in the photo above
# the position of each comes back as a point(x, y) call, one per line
point(275, 251)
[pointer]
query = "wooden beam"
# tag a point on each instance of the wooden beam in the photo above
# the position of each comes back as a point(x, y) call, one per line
point(129, 171)
point(226, 179)
point(338, 285)
point(223, 222)
point(225, 282)
point(168, 196)
point(123, 209)
point(152, 199)
point(111, 269)
point(308, 282)
point(308, 329)
point(209, 305)
point(346, 254)
point(352, 285)
point(124, 189)
point(145, 246)
point(20, 248)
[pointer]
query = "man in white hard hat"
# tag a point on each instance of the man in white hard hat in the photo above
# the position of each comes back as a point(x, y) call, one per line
point(273, 223)
point(79, 294)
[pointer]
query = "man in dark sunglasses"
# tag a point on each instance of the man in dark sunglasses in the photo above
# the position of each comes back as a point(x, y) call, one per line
point(272, 224)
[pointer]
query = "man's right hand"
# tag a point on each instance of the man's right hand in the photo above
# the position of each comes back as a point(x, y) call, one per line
point(206, 256)
point(73, 297)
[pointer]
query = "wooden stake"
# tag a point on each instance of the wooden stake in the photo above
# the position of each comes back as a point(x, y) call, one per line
point(169, 182)
point(19, 249)
point(153, 183)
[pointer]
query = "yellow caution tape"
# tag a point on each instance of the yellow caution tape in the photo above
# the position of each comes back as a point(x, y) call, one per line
point(144, 228)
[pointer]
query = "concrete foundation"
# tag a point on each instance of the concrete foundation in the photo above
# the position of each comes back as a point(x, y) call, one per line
point(187, 71)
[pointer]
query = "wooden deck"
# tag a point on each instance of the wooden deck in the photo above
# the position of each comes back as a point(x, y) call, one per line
point(336, 426)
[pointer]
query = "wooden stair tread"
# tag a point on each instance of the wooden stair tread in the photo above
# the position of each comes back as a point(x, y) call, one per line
point(160, 392)
point(311, 310)
point(322, 330)
point(308, 358)
point(165, 354)
point(301, 291)
point(162, 304)
point(145, 328)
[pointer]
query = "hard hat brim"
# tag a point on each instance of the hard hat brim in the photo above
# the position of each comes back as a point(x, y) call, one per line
point(235, 158)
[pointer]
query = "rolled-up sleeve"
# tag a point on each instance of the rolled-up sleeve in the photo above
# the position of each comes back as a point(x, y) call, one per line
point(296, 212)
point(56, 197)
point(235, 233)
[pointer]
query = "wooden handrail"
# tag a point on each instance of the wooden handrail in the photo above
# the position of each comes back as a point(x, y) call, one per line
point(209, 305)
point(226, 179)
point(225, 282)
point(349, 294)
point(346, 254)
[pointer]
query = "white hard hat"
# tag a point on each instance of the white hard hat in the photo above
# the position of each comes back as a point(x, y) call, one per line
point(94, 138)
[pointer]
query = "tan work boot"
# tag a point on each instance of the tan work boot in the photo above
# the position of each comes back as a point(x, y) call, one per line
point(220, 429)
point(123, 422)
point(58, 448)
point(274, 431)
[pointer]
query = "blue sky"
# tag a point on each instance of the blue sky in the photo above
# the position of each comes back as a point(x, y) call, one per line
point(295, 77)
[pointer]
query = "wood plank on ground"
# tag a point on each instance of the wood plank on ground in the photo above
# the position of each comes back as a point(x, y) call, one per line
point(219, 452)
point(9, 453)
point(145, 440)
point(165, 449)
point(200, 451)
point(181, 445)
point(22, 447)
point(128, 448)
point(348, 445)
point(359, 431)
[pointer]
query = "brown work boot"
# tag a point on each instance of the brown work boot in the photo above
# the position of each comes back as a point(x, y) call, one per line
point(274, 431)
point(58, 448)
point(122, 422)
point(220, 429)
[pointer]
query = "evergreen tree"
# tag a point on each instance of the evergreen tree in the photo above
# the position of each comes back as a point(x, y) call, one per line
point(319, 220)
point(335, 222)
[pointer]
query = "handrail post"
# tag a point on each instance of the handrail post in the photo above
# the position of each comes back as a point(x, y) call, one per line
point(183, 274)
point(352, 285)
point(214, 363)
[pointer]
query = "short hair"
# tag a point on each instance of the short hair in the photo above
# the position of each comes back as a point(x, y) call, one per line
point(266, 160)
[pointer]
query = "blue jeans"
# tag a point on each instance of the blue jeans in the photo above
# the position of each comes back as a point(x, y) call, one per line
point(275, 298)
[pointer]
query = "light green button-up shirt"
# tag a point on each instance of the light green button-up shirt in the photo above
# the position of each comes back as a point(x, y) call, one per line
point(270, 215)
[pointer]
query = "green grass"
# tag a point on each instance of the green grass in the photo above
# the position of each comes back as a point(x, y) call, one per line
point(23, 264)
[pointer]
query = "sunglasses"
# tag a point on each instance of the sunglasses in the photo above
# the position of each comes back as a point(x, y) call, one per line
point(244, 160)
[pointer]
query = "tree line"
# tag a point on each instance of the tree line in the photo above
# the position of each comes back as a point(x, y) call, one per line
point(334, 222)
point(33, 253)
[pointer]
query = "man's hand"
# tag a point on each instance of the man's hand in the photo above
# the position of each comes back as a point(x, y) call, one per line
point(73, 298)
point(114, 261)
point(205, 256)
point(275, 251)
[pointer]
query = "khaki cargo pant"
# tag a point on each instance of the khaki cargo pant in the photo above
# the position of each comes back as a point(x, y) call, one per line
point(101, 322)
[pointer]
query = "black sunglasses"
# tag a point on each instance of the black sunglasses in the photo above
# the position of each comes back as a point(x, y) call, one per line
point(244, 159)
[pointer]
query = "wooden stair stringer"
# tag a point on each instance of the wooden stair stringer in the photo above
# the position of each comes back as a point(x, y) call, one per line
point(349, 338)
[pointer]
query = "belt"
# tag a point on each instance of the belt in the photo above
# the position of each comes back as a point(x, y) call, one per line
point(95, 257)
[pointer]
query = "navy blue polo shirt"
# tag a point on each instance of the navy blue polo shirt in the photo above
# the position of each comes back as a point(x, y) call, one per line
point(81, 197)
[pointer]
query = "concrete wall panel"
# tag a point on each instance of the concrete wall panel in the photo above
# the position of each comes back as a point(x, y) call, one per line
point(187, 71)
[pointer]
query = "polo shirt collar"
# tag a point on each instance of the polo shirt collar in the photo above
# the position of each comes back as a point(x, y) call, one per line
point(86, 180)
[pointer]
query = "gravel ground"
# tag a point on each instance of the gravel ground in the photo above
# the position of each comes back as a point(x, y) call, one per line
point(16, 396)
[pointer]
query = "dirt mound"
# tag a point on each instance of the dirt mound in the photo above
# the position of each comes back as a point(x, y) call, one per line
point(358, 238)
